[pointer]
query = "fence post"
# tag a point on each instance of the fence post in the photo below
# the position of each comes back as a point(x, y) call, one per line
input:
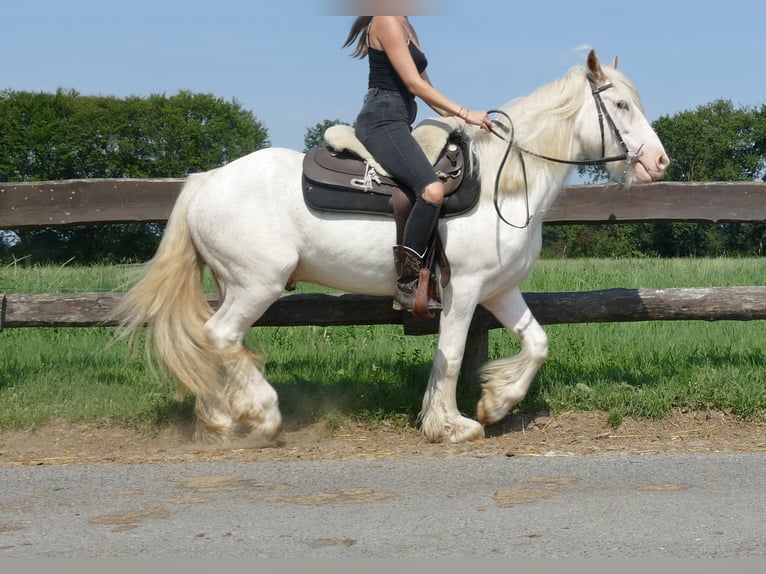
point(475, 355)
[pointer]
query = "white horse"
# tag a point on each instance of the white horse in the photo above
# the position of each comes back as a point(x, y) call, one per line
point(248, 222)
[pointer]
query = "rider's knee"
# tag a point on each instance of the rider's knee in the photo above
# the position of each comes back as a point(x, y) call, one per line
point(434, 192)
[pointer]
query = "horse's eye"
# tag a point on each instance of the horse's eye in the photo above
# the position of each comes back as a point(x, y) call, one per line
point(622, 105)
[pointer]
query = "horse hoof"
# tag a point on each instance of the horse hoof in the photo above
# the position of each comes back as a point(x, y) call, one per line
point(467, 430)
point(209, 434)
point(490, 410)
point(460, 430)
point(263, 429)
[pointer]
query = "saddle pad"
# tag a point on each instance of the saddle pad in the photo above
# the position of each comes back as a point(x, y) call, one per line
point(324, 197)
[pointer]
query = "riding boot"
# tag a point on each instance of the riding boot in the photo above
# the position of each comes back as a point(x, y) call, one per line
point(420, 225)
point(413, 278)
point(414, 291)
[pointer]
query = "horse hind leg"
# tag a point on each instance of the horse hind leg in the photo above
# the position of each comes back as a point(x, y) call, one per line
point(246, 405)
point(253, 405)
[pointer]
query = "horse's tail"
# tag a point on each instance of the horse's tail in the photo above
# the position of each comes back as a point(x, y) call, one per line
point(169, 299)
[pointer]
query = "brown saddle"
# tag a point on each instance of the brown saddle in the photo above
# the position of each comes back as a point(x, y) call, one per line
point(343, 181)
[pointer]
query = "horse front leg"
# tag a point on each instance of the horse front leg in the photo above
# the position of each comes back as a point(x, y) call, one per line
point(440, 420)
point(506, 381)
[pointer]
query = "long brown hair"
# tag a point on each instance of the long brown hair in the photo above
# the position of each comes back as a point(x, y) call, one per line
point(357, 28)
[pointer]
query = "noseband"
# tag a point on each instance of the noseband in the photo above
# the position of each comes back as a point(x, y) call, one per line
point(603, 115)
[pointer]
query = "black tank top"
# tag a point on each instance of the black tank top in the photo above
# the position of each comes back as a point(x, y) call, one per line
point(382, 72)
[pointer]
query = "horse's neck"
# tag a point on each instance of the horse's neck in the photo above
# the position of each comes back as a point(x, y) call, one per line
point(546, 187)
point(528, 183)
point(541, 179)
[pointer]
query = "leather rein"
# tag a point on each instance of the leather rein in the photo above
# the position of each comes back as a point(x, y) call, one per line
point(603, 115)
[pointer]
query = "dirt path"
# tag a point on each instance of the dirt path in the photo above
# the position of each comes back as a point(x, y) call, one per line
point(563, 435)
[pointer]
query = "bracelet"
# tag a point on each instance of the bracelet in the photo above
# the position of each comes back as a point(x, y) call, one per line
point(460, 114)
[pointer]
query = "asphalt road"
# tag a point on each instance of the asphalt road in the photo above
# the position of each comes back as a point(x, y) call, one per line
point(696, 505)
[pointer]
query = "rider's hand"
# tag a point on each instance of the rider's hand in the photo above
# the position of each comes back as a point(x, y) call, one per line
point(478, 118)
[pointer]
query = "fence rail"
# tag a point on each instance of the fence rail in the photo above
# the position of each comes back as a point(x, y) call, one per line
point(86, 201)
point(329, 310)
point(99, 201)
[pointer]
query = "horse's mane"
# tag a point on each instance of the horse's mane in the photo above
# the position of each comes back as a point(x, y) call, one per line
point(543, 122)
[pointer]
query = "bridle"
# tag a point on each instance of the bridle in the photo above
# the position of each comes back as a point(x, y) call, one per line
point(603, 116)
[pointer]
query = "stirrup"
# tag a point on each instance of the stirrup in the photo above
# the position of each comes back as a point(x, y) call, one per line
point(424, 306)
point(421, 296)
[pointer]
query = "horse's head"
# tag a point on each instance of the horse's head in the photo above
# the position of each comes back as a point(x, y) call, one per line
point(591, 116)
point(624, 130)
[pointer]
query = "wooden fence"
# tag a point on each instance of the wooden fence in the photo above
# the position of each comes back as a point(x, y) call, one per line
point(55, 203)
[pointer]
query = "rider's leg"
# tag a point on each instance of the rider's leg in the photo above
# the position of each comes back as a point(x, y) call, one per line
point(423, 218)
point(408, 257)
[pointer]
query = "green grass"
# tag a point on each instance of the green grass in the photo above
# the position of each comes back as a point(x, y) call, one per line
point(374, 373)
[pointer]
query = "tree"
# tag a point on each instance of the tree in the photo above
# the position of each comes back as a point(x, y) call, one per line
point(759, 134)
point(65, 135)
point(715, 142)
point(315, 135)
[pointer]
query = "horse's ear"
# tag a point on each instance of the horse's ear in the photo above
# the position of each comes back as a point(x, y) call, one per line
point(614, 63)
point(595, 66)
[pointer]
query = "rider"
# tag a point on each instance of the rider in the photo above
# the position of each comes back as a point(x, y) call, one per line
point(384, 125)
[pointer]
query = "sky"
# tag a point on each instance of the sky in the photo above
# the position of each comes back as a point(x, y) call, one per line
point(282, 59)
